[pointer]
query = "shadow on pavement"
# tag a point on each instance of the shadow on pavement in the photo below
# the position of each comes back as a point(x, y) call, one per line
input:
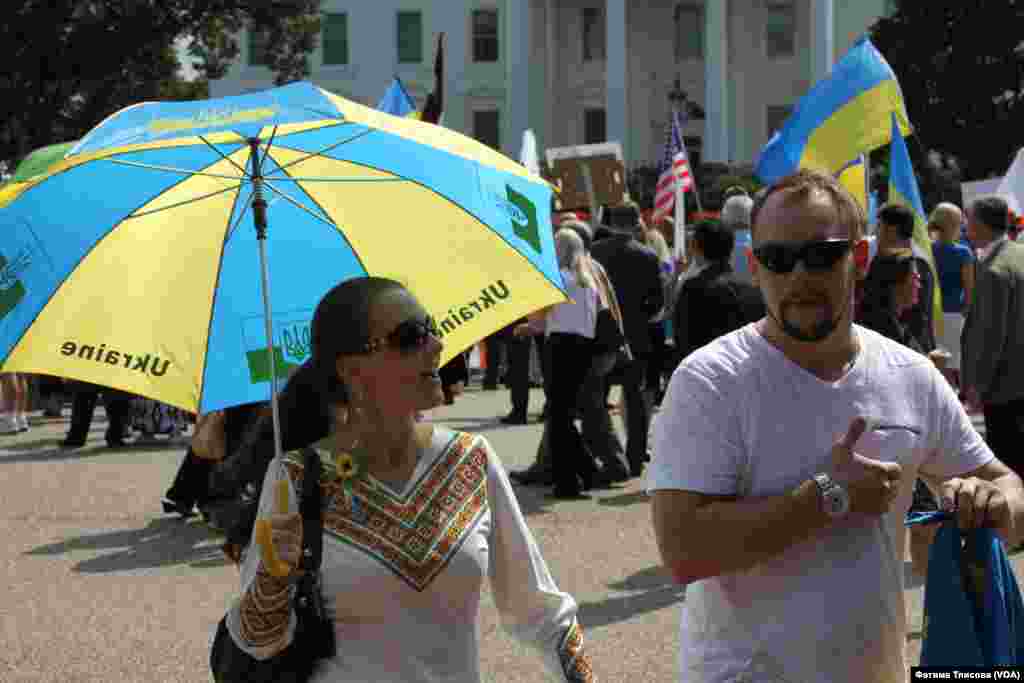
point(50, 450)
point(650, 590)
point(163, 542)
point(625, 499)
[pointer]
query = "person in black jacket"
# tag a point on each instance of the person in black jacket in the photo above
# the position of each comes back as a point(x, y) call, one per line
point(715, 301)
point(896, 231)
point(635, 273)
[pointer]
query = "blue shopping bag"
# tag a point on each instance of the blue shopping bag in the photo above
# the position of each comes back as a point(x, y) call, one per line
point(973, 612)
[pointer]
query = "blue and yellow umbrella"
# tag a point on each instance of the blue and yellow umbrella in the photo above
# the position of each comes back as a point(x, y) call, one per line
point(133, 261)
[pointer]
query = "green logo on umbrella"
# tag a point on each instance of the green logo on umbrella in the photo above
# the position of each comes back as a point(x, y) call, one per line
point(12, 290)
point(524, 217)
point(289, 354)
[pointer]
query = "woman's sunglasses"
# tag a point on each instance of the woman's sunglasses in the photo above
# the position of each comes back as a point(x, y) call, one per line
point(407, 337)
point(817, 255)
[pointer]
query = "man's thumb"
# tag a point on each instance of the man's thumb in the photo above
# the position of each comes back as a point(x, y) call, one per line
point(844, 447)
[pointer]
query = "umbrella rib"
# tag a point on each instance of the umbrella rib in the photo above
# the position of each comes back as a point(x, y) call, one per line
point(183, 171)
point(187, 201)
point(339, 180)
point(328, 148)
point(241, 215)
point(270, 143)
point(300, 205)
point(224, 156)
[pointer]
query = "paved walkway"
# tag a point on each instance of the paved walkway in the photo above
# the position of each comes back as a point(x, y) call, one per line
point(101, 586)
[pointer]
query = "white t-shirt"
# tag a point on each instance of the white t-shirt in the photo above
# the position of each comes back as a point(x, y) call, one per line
point(740, 418)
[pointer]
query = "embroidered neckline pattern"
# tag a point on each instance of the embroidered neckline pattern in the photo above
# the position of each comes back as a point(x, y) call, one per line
point(414, 534)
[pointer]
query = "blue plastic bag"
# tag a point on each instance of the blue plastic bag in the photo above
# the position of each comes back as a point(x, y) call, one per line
point(973, 612)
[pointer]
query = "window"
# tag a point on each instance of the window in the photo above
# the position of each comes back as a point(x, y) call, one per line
point(595, 126)
point(259, 45)
point(410, 37)
point(775, 116)
point(485, 35)
point(334, 30)
point(779, 29)
point(689, 31)
point(594, 34)
point(487, 127)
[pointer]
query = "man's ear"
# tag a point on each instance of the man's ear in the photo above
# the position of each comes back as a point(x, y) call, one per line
point(861, 252)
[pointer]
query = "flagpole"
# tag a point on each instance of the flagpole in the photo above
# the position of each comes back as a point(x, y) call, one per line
point(864, 158)
point(679, 238)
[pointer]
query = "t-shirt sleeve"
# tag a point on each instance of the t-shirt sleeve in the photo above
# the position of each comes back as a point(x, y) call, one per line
point(956, 446)
point(696, 442)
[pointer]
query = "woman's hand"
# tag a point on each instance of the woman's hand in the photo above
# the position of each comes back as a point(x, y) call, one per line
point(280, 537)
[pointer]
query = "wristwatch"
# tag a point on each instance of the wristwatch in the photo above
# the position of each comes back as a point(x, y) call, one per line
point(834, 498)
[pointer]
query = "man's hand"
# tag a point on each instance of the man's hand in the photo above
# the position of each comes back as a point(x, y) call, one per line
point(873, 485)
point(977, 503)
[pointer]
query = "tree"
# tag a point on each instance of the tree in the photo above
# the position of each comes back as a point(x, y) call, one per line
point(960, 65)
point(71, 63)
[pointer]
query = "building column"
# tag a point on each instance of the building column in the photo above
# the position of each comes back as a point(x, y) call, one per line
point(822, 38)
point(456, 57)
point(716, 82)
point(518, 28)
point(551, 90)
point(616, 76)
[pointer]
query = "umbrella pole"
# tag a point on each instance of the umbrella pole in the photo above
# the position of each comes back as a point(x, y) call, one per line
point(259, 211)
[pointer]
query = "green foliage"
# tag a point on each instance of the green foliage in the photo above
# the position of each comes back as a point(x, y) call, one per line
point(964, 102)
point(75, 62)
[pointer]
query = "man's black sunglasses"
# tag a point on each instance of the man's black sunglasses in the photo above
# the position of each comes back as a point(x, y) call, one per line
point(817, 255)
point(408, 336)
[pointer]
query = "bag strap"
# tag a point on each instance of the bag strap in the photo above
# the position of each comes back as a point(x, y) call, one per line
point(312, 514)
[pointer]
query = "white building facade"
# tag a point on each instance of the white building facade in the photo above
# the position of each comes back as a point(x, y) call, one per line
point(580, 71)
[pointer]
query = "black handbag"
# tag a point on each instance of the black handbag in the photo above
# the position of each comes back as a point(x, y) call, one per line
point(314, 631)
point(608, 337)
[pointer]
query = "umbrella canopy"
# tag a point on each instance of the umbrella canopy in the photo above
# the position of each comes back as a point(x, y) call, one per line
point(32, 166)
point(133, 262)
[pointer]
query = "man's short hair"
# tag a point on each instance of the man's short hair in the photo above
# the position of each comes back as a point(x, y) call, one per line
point(736, 212)
point(802, 185)
point(992, 211)
point(900, 218)
point(714, 239)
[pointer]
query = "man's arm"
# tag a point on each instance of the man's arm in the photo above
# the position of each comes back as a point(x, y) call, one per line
point(985, 337)
point(700, 536)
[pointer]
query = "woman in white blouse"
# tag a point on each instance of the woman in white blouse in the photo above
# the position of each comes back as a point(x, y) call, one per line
point(569, 328)
point(431, 513)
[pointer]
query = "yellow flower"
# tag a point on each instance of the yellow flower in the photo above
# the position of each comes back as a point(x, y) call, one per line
point(346, 465)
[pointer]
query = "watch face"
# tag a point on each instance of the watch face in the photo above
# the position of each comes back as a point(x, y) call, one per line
point(837, 502)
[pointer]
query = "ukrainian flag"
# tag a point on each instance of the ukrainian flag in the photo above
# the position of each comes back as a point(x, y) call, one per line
point(842, 116)
point(397, 101)
point(853, 178)
point(903, 190)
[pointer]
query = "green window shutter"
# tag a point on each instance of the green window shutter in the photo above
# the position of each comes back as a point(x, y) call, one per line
point(335, 38)
point(410, 37)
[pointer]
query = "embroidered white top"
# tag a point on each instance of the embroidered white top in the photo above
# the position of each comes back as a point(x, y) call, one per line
point(403, 570)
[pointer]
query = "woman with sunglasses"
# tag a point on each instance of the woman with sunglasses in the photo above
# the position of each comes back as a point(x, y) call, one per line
point(892, 287)
point(415, 515)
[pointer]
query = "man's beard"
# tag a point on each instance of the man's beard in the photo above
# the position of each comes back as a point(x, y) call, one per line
point(820, 331)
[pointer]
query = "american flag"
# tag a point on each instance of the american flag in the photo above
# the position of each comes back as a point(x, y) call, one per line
point(675, 170)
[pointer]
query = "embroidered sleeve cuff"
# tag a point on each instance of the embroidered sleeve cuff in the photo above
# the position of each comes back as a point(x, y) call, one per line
point(574, 661)
point(265, 611)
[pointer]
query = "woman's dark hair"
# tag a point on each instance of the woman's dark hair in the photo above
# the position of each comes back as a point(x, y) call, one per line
point(715, 240)
point(900, 218)
point(341, 324)
point(887, 271)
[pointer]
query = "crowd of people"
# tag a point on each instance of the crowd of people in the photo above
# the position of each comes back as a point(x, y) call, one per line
point(803, 395)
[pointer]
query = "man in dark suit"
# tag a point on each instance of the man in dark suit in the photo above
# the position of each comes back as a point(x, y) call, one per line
point(715, 301)
point(635, 273)
point(896, 231)
point(992, 344)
